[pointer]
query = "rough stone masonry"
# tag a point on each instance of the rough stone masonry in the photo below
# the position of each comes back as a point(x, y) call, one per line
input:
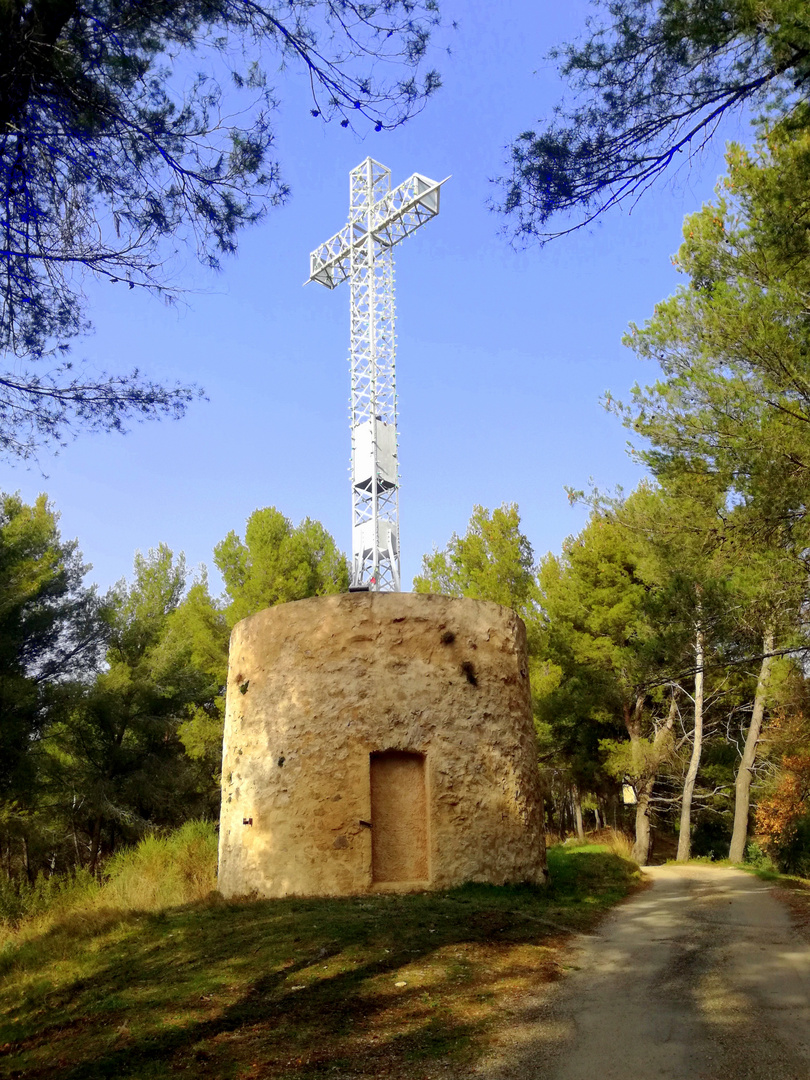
point(378, 741)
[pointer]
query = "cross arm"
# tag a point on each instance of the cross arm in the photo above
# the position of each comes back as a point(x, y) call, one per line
point(329, 264)
point(403, 210)
point(395, 216)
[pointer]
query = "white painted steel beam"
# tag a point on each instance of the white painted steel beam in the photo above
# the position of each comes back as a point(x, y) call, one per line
point(397, 215)
point(361, 253)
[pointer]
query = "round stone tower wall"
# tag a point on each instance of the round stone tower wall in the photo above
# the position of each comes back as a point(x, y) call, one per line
point(378, 741)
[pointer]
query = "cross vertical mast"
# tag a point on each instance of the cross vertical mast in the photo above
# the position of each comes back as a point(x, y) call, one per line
point(375, 473)
point(363, 252)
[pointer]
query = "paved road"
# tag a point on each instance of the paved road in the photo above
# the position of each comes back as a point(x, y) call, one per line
point(701, 977)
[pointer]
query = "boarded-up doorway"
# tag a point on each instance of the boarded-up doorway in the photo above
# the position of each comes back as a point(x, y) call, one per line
point(399, 833)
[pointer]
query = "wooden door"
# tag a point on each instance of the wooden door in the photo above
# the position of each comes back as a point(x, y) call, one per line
point(399, 825)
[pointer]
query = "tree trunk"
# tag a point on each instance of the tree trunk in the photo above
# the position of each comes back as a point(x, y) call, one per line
point(685, 837)
point(644, 784)
point(76, 847)
point(742, 786)
point(632, 721)
point(29, 871)
point(94, 846)
point(575, 802)
point(641, 845)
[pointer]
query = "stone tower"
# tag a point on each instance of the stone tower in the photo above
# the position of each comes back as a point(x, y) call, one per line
point(378, 741)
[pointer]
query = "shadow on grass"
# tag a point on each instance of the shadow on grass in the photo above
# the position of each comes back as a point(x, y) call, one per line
point(292, 987)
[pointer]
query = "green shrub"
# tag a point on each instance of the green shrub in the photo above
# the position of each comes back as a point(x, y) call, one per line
point(757, 857)
point(164, 871)
point(160, 871)
point(20, 900)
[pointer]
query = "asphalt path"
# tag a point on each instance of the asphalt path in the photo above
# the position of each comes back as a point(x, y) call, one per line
point(700, 977)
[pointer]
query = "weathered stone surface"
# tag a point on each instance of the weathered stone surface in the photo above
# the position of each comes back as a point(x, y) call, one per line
point(320, 689)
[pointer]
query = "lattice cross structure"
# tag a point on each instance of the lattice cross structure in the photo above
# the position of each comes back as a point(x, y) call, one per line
point(362, 252)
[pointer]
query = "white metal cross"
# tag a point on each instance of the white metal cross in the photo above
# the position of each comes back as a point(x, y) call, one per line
point(362, 252)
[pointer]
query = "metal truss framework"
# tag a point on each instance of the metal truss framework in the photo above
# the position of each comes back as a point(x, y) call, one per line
point(362, 252)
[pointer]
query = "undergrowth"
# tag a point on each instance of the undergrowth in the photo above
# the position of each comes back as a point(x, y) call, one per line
point(614, 840)
point(159, 872)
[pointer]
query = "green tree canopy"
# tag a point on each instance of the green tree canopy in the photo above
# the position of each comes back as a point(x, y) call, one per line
point(733, 343)
point(597, 634)
point(733, 403)
point(116, 756)
point(199, 630)
point(51, 630)
point(652, 81)
point(278, 562)
point(640, 618)
point(492, 561)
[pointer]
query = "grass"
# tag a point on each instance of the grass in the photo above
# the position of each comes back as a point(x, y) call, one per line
point(160, 872)
point(375, 986)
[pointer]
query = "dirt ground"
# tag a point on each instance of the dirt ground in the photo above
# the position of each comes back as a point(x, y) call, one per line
point(702, 976)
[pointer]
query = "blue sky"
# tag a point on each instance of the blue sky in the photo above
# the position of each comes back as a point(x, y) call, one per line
point(502, 355)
